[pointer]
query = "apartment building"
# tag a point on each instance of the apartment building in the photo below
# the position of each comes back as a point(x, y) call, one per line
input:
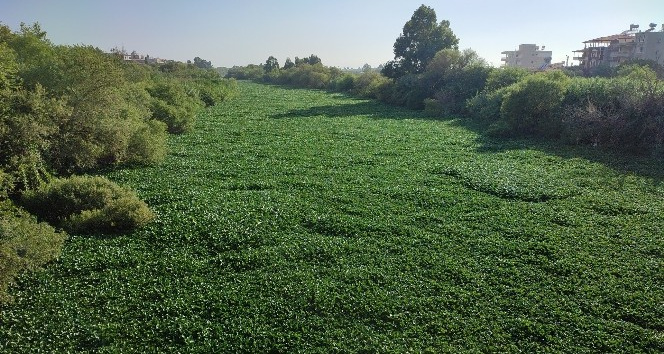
point(616, 49)
point(649, 45)
point(528, 56)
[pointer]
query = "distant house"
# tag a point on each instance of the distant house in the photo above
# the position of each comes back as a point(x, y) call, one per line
point(138, 58)
point(616, 49)
point(528, 56)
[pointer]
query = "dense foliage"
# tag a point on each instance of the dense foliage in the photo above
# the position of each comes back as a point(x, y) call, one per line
point(303, 221)
point(621, 109)
point(66, 109)
point(422, 37)
point(84, 205)
point(25, 245)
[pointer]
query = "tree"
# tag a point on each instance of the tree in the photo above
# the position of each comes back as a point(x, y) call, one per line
point(313, 60)
point(271, 64)
point(289, 64)
point(203, 64)
point(421, 39)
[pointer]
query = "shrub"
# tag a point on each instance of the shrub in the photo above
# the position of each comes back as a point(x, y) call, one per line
point(370, 84)
point(626, 112)
point(172, 105)
point(147, 144)
point(88, 205)
point(410, 91)
point(343, 83)
point(503, 77)
point(213, 92)
point(485, 106)
point(25, 245)
point(532, 106)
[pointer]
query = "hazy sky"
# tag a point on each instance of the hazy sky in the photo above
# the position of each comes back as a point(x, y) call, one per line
point(343, 33)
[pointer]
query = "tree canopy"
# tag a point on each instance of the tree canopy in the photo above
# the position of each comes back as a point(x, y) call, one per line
point(271, 64)
point(421, 39)
point(202, 63)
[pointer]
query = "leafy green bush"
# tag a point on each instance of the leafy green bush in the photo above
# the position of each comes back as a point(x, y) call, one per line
point(147, 144)
point(213, 92)
point(25, 245)
point(370, 84)
point(532, 106)
point(451, 78)
point(173, 105)
point(503, 77)
point(311, 76)
point(410, 91)
point(249, 72)
point(88, 205)
point(625, 112)
point(485, 106)
point(343, 83)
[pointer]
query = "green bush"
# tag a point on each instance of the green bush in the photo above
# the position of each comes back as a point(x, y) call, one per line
point(625, 112)
point(503, 77)
point(532, 106)
point(25, 245)
point(213, 92)
point(410, 91)
point(27, 125)
point(310, 76)
point(370, 84)
point(343, 83)
point(88, 205)
point(147, 144)
point(485, 106)
point(173, 105)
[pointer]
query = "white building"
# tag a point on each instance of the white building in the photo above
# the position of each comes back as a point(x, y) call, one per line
point(529, 56)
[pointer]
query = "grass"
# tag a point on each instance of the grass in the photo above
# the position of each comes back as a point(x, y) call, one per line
point(300, 221)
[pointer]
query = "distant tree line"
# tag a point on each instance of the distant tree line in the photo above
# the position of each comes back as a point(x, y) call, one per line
point(76, 109)
point(616, 108)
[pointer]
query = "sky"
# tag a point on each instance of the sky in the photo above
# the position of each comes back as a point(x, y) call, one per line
point(343, 33)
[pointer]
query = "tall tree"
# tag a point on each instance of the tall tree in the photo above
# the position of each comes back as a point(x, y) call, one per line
point(313, 60)
point(421, 39)
point(288, 64)
point(271, 64)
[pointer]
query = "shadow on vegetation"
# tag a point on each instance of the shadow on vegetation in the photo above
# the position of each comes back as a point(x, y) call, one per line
point(644, 165)
point(359, 107)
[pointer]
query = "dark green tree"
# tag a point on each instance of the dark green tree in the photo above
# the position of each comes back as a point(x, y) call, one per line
point(271, 64)
point(313, 60)
point(289, 64)
point(202, 63)
point(421, 39)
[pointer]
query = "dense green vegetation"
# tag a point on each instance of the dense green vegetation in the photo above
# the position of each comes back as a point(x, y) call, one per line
point(615, 108)
point(76, 109)
point(303, 221)
point(87, 205)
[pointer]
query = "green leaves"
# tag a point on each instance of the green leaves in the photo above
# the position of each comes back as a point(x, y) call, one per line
point(88, 205)
point(422, 37)
point(295, 220)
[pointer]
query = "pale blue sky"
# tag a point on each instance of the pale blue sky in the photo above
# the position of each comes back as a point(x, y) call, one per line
point(343, 33)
